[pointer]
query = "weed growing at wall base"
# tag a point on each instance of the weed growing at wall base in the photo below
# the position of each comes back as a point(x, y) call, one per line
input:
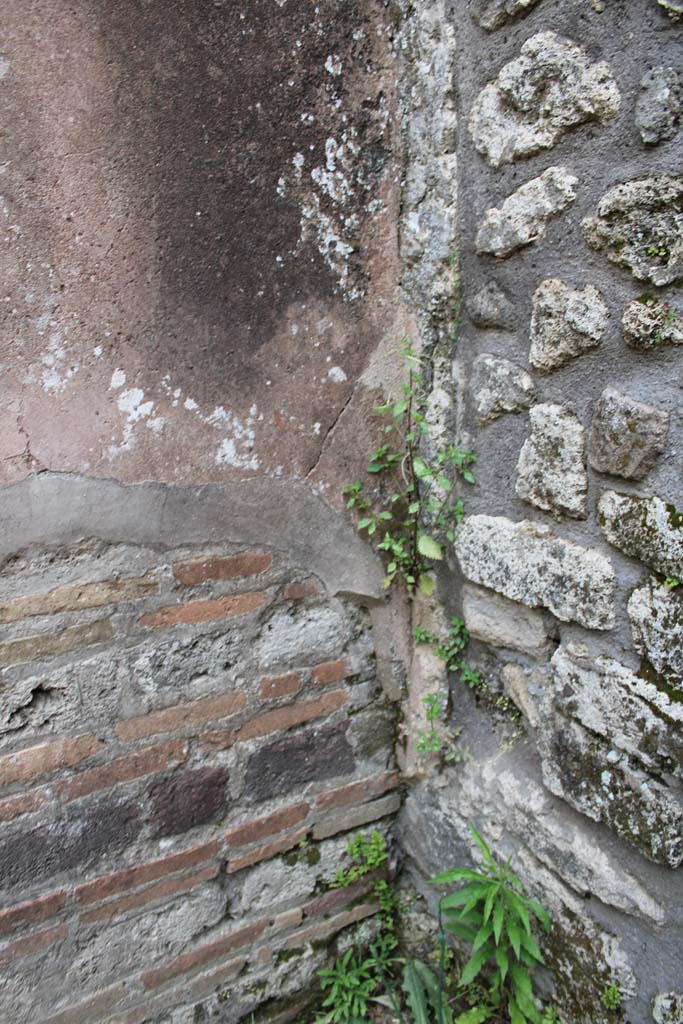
point(416, 509)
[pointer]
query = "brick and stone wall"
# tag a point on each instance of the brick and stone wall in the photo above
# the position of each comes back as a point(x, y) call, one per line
point(566, 382)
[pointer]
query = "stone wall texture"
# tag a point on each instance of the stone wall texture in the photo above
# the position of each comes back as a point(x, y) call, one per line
point(220, 219)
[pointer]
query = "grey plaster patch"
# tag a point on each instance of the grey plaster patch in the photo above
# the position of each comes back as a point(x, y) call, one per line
point(549, 89)
point(55, 508)
point(499, 386)
point(491, 307)
point(639, 225)
point(550, 471)
point(656, 615)
point(495, 620)
point(649, 323)
point(527, 562)
point(492, 14)
point(565, 323)
point(659, 106)
point(523, 217)
point(627, 437)
point(644, 528)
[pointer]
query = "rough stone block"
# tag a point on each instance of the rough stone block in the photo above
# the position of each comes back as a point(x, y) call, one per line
point(80, 839)
point(611, 701)
point(645, 528)
point(292, 761)
point(627, 437)
point(549, 89)
point(667, 1008)
point(529, 563)
point(656, 616)
point(523, 217)
point(188, 799)
point(491, 14)
point(674, 8)
point(500, 386)
point(638, 226)
point(646, 814)
point(565, 323)
point(496, 620)
point(659, 105)
point(649, 323)
point(491, 307)
point(550, 471)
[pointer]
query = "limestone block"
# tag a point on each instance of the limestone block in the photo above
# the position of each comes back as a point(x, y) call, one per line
point(639, 225)
point(503, 623)
point(667, 1008)
point(550, 471)
point(591, 776)
point(549, 89)
point(527, 562)
point(644, 528)
point(627, 437)
point(656, 615)
point(500, 386)
point(608, 699)
point(491, 14)
point(674, 8)
point(491, 307)
point(649, 323)
point(565, 323)
point(523, 217)
point(659, 106)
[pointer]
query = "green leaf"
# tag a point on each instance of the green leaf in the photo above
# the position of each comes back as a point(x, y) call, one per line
point(477, 1015)
point(502, 961)
point(421, 468)
point(461, 931)
point(427, 585)
point(481, 843)
point(469, 477)
point(458, 875)
point(498, 915)
point(431, 984)
point(413, 508)
point(540, 912)
point(514, 935)
point(399, 408)
point(488, 905)
point(428, 547)
point(517, 907)
point(473, 966)
point(415, 994)
point(530, 944)
point(516, 1016)
point(482, 936)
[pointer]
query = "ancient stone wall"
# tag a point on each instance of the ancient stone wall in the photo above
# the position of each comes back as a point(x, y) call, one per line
point(567, 384)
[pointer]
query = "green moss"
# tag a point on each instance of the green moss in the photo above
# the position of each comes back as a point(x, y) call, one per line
point(284, 955)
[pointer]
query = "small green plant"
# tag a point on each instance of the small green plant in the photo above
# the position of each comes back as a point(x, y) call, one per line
point(492, 913)
point(349, 985)
point(367, 854)
point(550, 1016)
point(671, 582)
point(416, 509)
point(660, 251)
point(430, 742)
point(668, 321)
point(611, 997)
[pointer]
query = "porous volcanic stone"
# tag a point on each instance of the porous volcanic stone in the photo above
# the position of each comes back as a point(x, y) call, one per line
point(522, 218)
point(644, 528)
point(565, 323)
point(627, 437)
point(500, 386)
point(656, 615)
point(550, 471)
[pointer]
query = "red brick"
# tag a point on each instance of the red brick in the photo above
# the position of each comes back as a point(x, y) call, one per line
point(131, 878)
point(287, 919)
point(215, 739)
point(209, 610)
point(44, 758)
point(74, 598)
point(266, 852)
point(193, 990)
point(292, 714)
point(34, 943)
point(267, 825)
point(23, 803)
point(357, 792)
point(91, 1009)
point(300, 591)
point(31, 913)
point(356, 817)
point(324, 929)
point(181, 716)
point(161, 891)
point(332, 672)
point(335, 898)
point(280, 686)
point(134, 766)
point(49, 645)
point(204, 954)
point(216, 567)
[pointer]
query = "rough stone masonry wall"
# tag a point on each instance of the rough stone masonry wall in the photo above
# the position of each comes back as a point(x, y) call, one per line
point(567, 382)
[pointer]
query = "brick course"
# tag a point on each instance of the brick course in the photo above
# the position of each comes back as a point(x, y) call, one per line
point(266, 851)
point(267, 825)
point(134, 766)
point(32, 912)
point(46, 757)
point(49, 645)
point(357, 792)
point(332, 672)
point(279, 686)
point(292, 714)
point(181, 716)
point(217, 567)
point(24, 803)
point(204, 954)
point(160, 891)
point(73, 598)
point(122, 881)
point(208, 610)
point(36, 942)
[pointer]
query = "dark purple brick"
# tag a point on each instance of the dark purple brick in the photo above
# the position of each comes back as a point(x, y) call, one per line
point(188, 799)
point(294, 760)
